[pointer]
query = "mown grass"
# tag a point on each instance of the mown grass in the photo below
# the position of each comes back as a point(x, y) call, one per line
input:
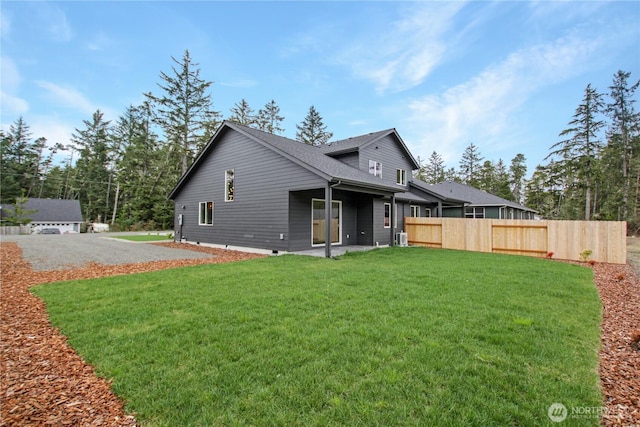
point(397, 336)
point(145, 237)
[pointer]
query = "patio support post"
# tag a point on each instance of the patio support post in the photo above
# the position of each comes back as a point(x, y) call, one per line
point(392, 224)
point(327, 216)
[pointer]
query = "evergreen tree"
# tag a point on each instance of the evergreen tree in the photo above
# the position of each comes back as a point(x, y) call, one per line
point(92, 168)
point(312, 130)
point(242, 114)
point(517, 172)
point(434, 169)
point(269, 118)
point(184, 110)
point(19, 215)
point(623, 132)
point(17, 161)
point(137, 167)
point(470, 165)
point(501, 187)
point(580, 151)
point(486, 177)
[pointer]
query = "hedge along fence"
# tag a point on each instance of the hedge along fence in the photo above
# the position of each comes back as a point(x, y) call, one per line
point(571, 240)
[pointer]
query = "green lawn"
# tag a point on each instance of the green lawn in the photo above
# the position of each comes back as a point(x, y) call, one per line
point(145, 237)
point(391, 337)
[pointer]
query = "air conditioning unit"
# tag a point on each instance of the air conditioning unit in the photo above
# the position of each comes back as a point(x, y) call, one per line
point(402, 239)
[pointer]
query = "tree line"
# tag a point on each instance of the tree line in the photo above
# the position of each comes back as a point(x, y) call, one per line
point(123, 171)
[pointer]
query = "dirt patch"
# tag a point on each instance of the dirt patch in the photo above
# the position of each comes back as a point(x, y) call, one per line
point(45, 382)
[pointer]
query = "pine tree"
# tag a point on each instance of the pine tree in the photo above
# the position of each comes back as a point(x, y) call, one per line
point(517, 172)
point(92, 168)
point(434, 169)
point(184, 110)
point(312, 130)
point(623, 132)
point(580, 151)
point(470, 165)
point(242, 114)
point(17, 161)
point(269, 118)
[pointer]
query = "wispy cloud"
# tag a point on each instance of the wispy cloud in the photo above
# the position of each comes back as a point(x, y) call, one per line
point(10, 102)
point(56, 23)
point(67, 96)
point(239, 83)
point(403, 55)
point(5, 24)
point(483, 108)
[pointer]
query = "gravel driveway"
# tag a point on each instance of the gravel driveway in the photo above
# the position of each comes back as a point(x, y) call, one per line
point(66, 251)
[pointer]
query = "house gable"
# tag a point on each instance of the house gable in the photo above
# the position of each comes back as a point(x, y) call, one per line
point(386, 148)
point(258, 214)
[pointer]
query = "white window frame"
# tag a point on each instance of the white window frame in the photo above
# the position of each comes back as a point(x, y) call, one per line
point(375, 168)
point(229, 196)
point(203, 211)
point(415, 211)
point(427, 212)
point(386, 224)
point(401, 177)
point(474, 212)
point(339, 202)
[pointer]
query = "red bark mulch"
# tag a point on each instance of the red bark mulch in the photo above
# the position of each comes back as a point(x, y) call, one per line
point(45, 382)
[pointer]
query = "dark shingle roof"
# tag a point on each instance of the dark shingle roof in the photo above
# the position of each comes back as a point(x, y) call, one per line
point(475, 196)
point(313, 157)
point(54, 210)
point(354, 143)
point(357, 142)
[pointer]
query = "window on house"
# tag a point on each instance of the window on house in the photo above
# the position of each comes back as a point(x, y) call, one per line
point(375, 168)
point(427, 212)
point(206, 213)
point(415, 211)
point(387, 215)
point(470, 212)
point(401, 176)
point(319, 222)
point(229, 187)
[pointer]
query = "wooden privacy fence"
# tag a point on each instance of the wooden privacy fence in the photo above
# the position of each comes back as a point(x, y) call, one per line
point(606, 240)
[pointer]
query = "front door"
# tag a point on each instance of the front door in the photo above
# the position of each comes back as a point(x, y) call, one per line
point(319, 224)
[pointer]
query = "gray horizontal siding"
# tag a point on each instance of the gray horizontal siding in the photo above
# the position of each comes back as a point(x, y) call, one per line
point(389, 153)
point(258, 215)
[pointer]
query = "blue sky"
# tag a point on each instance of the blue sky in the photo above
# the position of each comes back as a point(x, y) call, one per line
point(506, 76)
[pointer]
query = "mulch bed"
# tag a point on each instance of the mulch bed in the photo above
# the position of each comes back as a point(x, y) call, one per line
point(45, 382)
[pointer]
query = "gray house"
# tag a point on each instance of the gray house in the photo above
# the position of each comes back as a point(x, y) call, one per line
point(476, 203)
point(249, 188)
point(64, 215)
point(252, 189)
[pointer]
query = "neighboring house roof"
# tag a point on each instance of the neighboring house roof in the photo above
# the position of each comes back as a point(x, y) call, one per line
point(358, 142)
point(49, 210)
point(474, 196)
point(310, 157)
point(446, 197)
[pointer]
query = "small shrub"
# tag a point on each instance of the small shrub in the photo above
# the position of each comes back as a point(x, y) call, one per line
point(584, 255)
